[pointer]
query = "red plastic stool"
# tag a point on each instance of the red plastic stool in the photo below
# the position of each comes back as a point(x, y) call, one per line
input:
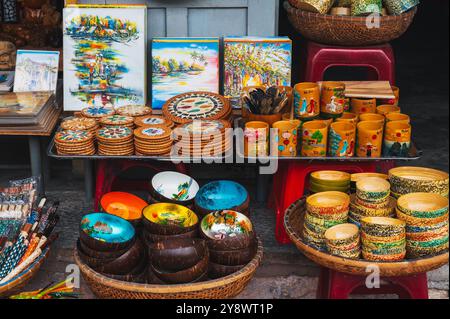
point(379, 59)
point(108, 171)
point(337, 285)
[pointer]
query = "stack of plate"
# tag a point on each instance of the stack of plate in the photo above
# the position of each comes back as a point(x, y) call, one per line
point(371, 200)
point(343, 241)
point(383, 239)
point(153, 120)
point(134, 110)
point(405, 180)
point(153, 141)
point(323, 181)
point(357, 176)
point(117, 120)
point(115, 141)
point(74, 143)
point(324, 210)
point(426, 217)
point(80, 124)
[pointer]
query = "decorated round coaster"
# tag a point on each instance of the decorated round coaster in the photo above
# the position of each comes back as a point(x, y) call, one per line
point(186, 107)
point(153, 120)
point(134, 110)
point(78, 124)
point(97, 112)
point(153, 133)
point(116, 120)
point(73, 137)
point(116, 133)
point(205, 127)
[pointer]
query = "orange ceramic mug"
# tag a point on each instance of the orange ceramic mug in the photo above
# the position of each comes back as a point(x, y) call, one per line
point(306, 100)
point(348, 117)
point(360, 105)
point(342, 139)
point(286, 137)
point(372, 117)
point(397, 139)
point(387, 108)
point(314, 139)
point(397, 117)
point(332, 99)
point(256, 139)
point(370, 139)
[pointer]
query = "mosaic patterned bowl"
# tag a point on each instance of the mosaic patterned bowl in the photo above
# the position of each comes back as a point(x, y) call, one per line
point(328, 203)
point(416, 221)
point(373, 189)
point(341, 235)
point(363, 211)
point(382, 226)
point(423, 205)
point(405, 180)
point(174, 187)
point(330, 178)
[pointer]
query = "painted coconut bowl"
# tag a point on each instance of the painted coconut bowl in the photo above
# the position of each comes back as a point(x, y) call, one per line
point(382, 226)
point(169, 219)
point(423, 205)
point(102, 255)
point(328, 203)
point(124, 205)
point(234, 257)
point(227, 230)
point(218, 271)
point(150, 238)
point(373, 189)
point(177, 254)
point(93, 262)
point(139, 278)
point(222, 195)
point(330, 178)
point(174, 187)
point(106, 232)
point(342, 234)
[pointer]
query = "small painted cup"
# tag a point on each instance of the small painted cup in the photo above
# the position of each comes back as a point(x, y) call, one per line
point(348, 117)
point(332, 99)
point(370, 139)
point(286, 137)
point(372, 117)
point(360, 105)
point(314, 139)
point(397, 139)
point(397, 117)
point(306, 100)
point(342, 139)
point(387, 108)
point(256, 139)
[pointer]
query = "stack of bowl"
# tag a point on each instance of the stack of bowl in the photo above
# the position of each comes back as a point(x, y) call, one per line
point(178, 261)
point(124, 205)
point(358, 176)
point(344, 241)
point(324, 181)
point(405, 180)
point(231, 241)
point(426, 217)
point(222, 195)
point(383, 239)
point(324, 210)
point(108, 244)
point(371, 200)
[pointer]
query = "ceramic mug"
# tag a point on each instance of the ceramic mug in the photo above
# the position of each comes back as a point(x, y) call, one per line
point(342, 139)
point(332, 99)
point(348, 117)
point(314, 139)
point(397, 117)
point(372, 117)
point(256, 139)
point(387, 108)
point(317, 6)
point(363, 105)
point(286, 137)
point(397, 139)
point(365, 7)
point(306, 100)
point(370, 139)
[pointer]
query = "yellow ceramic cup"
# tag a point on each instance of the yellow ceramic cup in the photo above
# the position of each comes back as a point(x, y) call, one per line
point(372, 117)
point(306, 100)
point(332, 99)
point(287, 137)
point(256, 139)
point(360, 106)
point(327, 122)
point(314, 139)
point(342, 139)
point(348, 117)
point(387, 108)
point(397, 139)
point(397, 117)
point(370, 139)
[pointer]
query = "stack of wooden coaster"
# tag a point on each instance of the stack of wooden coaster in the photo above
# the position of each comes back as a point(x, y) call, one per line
point(134, 110)
point(75, 143)
point(115, 141)
point(80, 124)
point(117, 120)
point(97, 112)
point(153, 141)
point(153, 120)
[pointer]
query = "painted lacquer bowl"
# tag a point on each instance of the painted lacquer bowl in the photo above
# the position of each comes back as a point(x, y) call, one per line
point(174, 187)
point(341, 235)
point(324, 203)
point(373, 189)
point(330, 178)
point(383, 226)
point(169, 219)
point(406, 180)
point(124, 205)
point(423, 205)
point(220, 195)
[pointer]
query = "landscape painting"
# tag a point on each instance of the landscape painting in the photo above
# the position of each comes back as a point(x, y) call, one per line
point(254, 61)
point(36, 71)
point(104, 56)
point(181, 65)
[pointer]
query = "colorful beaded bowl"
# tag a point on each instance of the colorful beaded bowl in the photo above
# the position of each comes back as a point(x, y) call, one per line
point(423, 205)
point(382, 226)
point(328, 203)
point(342, 235)
point(373, 189)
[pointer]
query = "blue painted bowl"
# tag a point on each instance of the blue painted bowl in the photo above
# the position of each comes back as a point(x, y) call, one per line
point(105, 232)
point(222, 195)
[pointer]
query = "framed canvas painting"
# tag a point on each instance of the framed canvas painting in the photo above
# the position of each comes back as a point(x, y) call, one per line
point(181, 65)
point(104, 56)
point(36, 71)
point(253, 61)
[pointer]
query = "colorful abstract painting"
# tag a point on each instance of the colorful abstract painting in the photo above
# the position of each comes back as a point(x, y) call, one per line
point(36, 71)
point(104, 56)
point(181, 65)
point(253, 61)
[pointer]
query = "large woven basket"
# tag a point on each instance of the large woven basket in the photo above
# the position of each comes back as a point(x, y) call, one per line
point(226, 287)
point(293, 222)
point(347, 30)
point(14, 285)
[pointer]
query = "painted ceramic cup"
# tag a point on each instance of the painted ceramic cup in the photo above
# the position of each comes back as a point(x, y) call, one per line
point(365, 7)
point(397, 139)
point(256, 139)
point(396, 7)
point(363, 105)
point(387, 108)
point(306, 100)
point(318, 6)
point(342, 139)
point(286, 137)
point(370, 139)
point(397, 117)
point(372, 117)
point(314, 139)
point(348, 117)
point(332, 99)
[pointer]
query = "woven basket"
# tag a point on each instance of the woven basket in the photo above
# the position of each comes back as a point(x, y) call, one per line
point(14, 285)
point(226, 287)
point(347, 30)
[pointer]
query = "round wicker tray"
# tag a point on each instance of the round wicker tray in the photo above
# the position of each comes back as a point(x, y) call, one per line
point(13, 286)
point(348, 30)
point(226, 287)
point(293, 222)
